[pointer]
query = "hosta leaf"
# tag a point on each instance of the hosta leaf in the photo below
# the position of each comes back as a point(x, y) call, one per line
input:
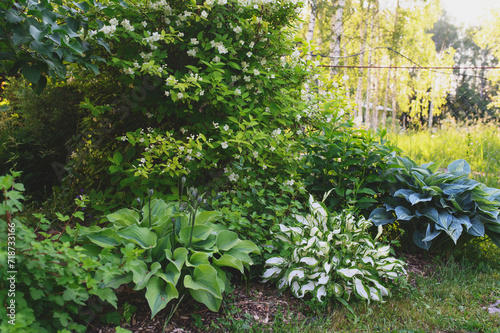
point(178, 258)
point(418, 240)
point(404, 193)
point(430, 233)
point(124, 217)
point(172, 274)
point(198, 258)
point(380, 216)
point(211, 301)
point(206, 217)
point(495, 237)
point(245, 258)
point(105, 238)
point(142, 279)
point(418, 197)
point(459, 166)
point(143, 237)
point(309, 261)
point(349, 272)
point(476, 228)
point(226, 240)
point(158, 252)
point(200, 232)
point(204, 278)
point(450, 189)
point(444, 220)
point(403, 214)
point(464, 220)
point(271, 272)
point(159, 293)
point(360, 289)
point(229, 261)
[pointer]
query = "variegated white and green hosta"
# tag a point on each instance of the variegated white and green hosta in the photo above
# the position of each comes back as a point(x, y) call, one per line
point(334, 255)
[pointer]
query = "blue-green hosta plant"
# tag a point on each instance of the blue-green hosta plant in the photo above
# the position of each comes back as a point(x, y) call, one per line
point(435, 206)
point(169, 248)
point(332, 255)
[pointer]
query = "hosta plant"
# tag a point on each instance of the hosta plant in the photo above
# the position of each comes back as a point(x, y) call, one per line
point(332, 255)
point(169, 248)
point(436, 206)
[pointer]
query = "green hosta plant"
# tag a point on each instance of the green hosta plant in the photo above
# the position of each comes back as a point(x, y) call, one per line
point(433, 204)
point(170, 247)
point(332, 255)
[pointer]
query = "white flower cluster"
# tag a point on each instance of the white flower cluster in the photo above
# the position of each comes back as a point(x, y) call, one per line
point(126, 24)
point(219, 46)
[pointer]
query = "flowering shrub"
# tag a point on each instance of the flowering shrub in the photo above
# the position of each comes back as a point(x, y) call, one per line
point(332, 255)
point(227, 85)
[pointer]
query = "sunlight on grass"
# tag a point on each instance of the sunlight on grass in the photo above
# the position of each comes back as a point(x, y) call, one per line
point(478, 144)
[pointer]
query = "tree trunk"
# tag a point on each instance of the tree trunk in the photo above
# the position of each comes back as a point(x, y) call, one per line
point(310, 27)
point(338, 30)
point(359, 89)
point(368, 111)
point(386, 97)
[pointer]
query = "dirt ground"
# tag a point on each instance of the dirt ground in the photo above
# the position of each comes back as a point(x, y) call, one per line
point(249, 301)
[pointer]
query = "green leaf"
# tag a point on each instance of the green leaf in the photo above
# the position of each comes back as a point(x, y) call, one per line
point(142, 274)
point(32, 73)
point(35, 33)
point(198, 258)
point(124, 217)
point(246, 246)
point(84, 6)
point(204, 278)
point(159, 293)
point(105, 238)
point(418, 240)
point(379, 216)
point(476, 228)
point(403, 214)
point(178, 258)
point(143, 237)
point(459, 166)
point(200, 232)
point(226, 240)
point(206, 217)
point(230, 261)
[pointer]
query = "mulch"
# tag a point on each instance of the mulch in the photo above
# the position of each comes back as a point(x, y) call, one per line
point(249, 301)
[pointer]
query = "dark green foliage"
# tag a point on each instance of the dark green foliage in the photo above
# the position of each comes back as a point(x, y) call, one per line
point(436, 206)
point(348, 160)
point(35, 130)
point(53, 279)
point(169, 248)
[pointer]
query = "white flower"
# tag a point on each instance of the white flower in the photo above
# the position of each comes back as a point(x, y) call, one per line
point(180, 95)
point(221, 2)
point(256, 71)
point(183, 130)
point(216, 59)
point(272, 148)
point(242, 42)
point(237, 30)
point(204, 14)
point(209, 2)
point(255, 154)
point(216, 125)
point(233, 177)
point(192, 52)
point(124, 138)
point(129, 71)
point(113, 21)
point(277, 132)
point(263, 61)
point(226, 128)
point(224, 145)
point(194, 41)
point(237, 91)
point(251, 44)
point(181, 34)
point(167, 93)
point(246, 78)
point(149, 115)
point(249, 54)
point(144, 24)
point(264, 167)
point(181, 148)
point(202, 92)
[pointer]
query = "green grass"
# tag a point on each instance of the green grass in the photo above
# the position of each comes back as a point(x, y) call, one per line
point(451, 298)
point(478, 144)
